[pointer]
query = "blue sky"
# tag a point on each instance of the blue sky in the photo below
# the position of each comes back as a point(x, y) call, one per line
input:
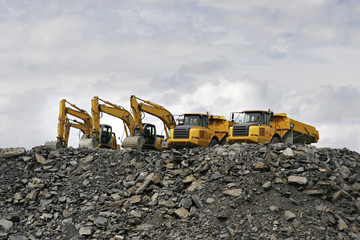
point(297, 57)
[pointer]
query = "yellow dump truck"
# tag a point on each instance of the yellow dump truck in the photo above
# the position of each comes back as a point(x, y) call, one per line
point(265, 126)
point(199, 130)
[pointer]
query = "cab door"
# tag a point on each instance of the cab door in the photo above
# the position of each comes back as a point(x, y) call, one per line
point(149, 135)
point(269, 131)
point(204, 133)
point(105, 135)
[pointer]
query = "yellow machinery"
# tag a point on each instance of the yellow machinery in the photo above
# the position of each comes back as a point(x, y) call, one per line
point(145, 133)
point(65, 124)
point(199, 130)
point(74, 124)
point(102, 135)
point(265, 126)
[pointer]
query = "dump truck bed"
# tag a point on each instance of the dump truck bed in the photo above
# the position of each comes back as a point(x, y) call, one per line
point(292, 131)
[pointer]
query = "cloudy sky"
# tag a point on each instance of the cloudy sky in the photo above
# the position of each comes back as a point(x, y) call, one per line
point(294, 57)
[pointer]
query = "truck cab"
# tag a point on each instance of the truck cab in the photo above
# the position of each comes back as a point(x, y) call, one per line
point(199, 130)
point(252, 126)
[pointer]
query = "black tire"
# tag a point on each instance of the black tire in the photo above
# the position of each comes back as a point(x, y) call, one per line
point(213, 142)
point(275, 139)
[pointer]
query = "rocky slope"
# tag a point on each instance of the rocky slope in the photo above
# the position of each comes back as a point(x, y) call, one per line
point(240, 191)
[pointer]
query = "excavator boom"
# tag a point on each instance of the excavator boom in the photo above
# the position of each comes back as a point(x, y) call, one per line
point(100, 132)
point(64, 124)
point(147, 132)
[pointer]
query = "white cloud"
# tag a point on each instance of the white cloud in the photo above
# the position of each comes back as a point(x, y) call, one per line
point(332, 110)
point(337, 135)
point(225, 96)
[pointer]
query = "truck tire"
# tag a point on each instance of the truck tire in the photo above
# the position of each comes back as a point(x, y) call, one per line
point(275, 139)
point(213, 142)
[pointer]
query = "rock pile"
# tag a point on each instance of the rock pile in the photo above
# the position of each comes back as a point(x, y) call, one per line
point(240, 191)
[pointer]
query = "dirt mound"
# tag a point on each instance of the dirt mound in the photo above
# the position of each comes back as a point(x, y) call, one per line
point(240, 191)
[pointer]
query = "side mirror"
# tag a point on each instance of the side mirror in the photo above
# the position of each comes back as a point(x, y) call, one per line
point(232, 117)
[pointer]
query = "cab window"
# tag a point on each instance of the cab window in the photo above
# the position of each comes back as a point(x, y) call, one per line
point(252, 118)
point(205, 121)
point(192, 120)
point(149, 134)
point(266, 119)
point(105, 134)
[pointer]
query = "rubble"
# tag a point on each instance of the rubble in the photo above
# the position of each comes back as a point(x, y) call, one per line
point(240, 191)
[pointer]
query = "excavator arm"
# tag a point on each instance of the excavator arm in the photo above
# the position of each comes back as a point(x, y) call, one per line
point(64, 123)
point(145, 133)
point(100, 132)
point(72, 124)
point(158, 111)
point(119, 112)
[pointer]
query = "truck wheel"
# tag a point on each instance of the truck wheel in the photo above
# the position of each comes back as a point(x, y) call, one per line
point(275, 140)
point(213, 142)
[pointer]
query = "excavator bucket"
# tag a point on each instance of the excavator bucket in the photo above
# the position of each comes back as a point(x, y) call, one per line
point(88, 143)
point(53, 144)
point(134, 142)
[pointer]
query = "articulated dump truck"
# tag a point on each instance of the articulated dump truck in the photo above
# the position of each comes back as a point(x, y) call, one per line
point(199, 130)
point(265, 126)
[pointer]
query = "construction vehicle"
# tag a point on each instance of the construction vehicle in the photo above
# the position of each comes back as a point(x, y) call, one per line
point(65, 124)
point(101, 134)
point(265, 126)
point(145, 133)
point(73, 124)
point(199, 130)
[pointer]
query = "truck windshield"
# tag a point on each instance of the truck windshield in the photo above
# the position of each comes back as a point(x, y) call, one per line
point(192, 120)
point(252, 118)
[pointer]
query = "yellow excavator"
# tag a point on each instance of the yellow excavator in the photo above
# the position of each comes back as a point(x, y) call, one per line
point(102, 135)
point(74, 124)
point(65, 124)
point(144, 135)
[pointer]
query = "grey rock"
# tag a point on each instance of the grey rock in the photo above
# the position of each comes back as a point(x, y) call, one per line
point(17, 237)
point(297, 180)
point(5, 225)
point(186, 202)
point(267, 185)
point(85, 231)
point(13, 152)
point(197, 201)
point(101, 222)
point(345, 172)
point(288, 215)
point(54, 154)
point(288, 152)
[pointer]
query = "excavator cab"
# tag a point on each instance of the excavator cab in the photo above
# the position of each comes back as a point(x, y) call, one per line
point(105, 135)
point(149, 134)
